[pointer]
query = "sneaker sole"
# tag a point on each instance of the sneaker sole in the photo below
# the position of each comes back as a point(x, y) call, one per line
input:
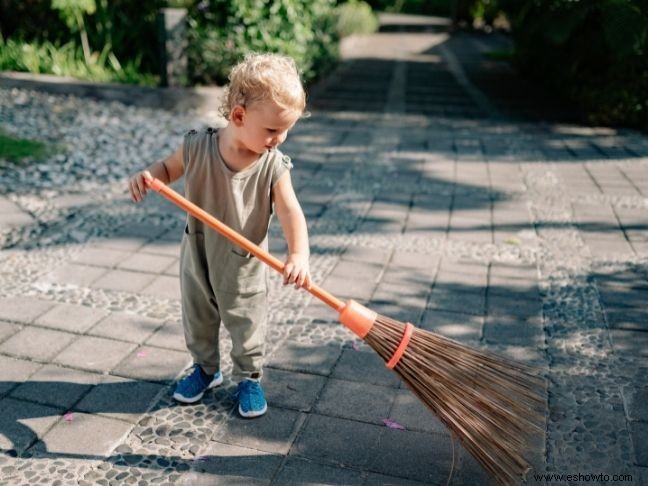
point(181, 398)
point(252, 414)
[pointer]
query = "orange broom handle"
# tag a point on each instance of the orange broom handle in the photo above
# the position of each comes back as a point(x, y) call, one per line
point(239, 240)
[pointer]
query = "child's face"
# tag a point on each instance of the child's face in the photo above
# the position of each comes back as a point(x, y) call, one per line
point(264, 125)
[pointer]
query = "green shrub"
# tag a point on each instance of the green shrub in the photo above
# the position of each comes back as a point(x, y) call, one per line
point(68, 60)
point(596, 52)
point(124, 33)
point(355, 17)
point(223, 31)
point(126, 26)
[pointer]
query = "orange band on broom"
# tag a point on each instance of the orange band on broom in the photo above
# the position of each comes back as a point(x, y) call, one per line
point(492, 404)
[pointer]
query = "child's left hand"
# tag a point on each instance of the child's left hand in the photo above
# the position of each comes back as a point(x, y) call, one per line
point(296, 271)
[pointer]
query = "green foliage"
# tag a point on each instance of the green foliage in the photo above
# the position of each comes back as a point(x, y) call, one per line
point(126, 26)
point(17, 149)
point(485, 10)
point(355, 17)
point(71, 10)
point(594, 51)
point(421, 7)
point(119, 38)
point(223, 31)
point(68, 60)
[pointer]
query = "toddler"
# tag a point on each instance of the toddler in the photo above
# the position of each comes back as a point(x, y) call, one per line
point(238, 175)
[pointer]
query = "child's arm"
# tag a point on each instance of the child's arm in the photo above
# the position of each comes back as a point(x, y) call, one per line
point(167, 170)
point(293, 223)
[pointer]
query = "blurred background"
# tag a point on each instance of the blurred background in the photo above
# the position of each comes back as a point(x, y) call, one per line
point(592, 52)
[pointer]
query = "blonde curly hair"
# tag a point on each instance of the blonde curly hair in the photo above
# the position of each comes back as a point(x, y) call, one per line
point(262, 77)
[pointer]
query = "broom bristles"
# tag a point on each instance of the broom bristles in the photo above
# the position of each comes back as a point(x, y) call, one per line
point(492, 404)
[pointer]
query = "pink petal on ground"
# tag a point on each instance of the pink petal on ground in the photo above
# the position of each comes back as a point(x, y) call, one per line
point(200, 459)
point(355, 346)
point(141, 354)
point(392, 424)
point(68, 417)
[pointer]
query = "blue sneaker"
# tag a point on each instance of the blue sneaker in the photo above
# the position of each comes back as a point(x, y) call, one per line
point(252, 402)
point(193, 386)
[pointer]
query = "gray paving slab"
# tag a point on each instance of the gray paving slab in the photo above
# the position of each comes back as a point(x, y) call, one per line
point(510, 305)
point(94, 354)
point(127, 327)
point(292, 390)
point(36, 343)
point(154, 364)
point(173, 269)
point(22, 423)
point(123, 280)
point(144, 262)
point(225, 464)
point(630, 342)
point(168, 247)
point(317, 441)
point(297, 470)
point(514, 330)
point(22, 309)
point(307, 358)
point(166, 287)
point(464, 300)
point(8, 329)
point(56, 386)
point(102, 257)
point(356, 401)
point(15, 371)
point(627, 318)
point(170, 335)
point(119, 398)
point(639, 431)
point(375, 479)
point(456, 325)
point(407, 454)
point(83, 435)
point(71, 318)
point(273, 432)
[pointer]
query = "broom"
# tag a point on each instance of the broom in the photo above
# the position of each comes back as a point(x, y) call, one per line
point(492, 404)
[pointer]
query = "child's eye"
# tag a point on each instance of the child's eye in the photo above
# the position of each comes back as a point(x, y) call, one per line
point(271, 130)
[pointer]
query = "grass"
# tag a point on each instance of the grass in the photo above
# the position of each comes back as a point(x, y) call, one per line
point(18, 149)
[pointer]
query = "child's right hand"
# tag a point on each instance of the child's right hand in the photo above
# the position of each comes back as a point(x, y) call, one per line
point(137, 185)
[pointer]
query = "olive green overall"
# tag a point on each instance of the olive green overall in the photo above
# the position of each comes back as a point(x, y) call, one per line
point(219, 281)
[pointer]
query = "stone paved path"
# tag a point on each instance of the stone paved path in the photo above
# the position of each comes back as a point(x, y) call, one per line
point(439, 188)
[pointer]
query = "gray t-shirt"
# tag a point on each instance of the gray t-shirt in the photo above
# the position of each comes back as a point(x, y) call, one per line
point(242, 200)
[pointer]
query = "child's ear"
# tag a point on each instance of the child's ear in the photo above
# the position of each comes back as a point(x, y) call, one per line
point(237, 115)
